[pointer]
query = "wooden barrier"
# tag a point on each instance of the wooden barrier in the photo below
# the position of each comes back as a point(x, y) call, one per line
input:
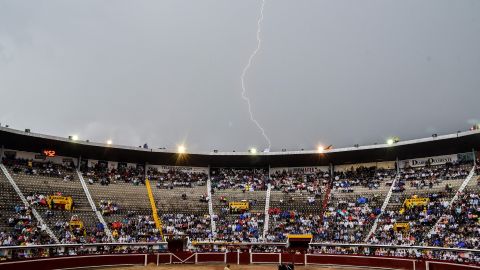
point(265, 258)
point(211, 257)
point(233, 258)
point(363, 261)
point(76, 262)
point(439, 265)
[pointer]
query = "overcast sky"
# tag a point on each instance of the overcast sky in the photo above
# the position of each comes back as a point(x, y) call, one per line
point(167, 72)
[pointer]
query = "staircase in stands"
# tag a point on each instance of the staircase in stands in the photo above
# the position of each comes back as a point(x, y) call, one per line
point(326, 199)
point(462, 187)
point(94, 207)
point(384, 206)
point(210, 205)
point(158, 222)
point(267, 215)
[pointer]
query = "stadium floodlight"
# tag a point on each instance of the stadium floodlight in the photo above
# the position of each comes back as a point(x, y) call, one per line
point(253, 150)
point(390, 141)
point(181, 149)
point(74, 137)
point(109, 142)
point(320, 149)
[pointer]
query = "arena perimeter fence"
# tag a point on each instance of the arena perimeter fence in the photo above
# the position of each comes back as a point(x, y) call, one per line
point(71, 256)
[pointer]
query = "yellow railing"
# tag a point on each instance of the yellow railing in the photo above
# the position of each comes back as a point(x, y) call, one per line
point(158, 222)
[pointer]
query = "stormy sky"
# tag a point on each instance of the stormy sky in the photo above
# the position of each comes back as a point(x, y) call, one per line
point(167, 72)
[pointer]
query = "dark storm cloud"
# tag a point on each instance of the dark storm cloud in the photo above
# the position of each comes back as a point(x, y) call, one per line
point(164, 72)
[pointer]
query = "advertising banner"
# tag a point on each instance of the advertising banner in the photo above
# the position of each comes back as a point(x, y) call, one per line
point(165, 169)
point(437, 160)
point(302, 170)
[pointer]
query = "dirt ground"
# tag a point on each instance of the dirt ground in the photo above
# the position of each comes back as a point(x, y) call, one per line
point(221, 266)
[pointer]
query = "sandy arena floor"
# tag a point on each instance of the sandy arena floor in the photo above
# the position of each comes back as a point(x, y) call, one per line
point(221, 266)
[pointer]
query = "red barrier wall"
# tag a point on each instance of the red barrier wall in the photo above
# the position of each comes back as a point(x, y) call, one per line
point(387, 262)
point(244, 257)
point(232, 257)
point(293, 258)
point(164, 258)
point(151, 258)
point(266, 258)
point(183, 257)
point(436, 265)
point(211, 258)
point(75, 261)
point(420, 265)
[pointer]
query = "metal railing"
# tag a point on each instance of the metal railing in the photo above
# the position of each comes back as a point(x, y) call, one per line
point(139, 244)
point(318, 244)
point(284, 244)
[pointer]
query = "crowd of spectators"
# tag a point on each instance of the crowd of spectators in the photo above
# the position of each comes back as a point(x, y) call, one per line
point(245, 227)
point(291, 181)
point(24, 230)
point(135, 228)
point(346, 219)
point(430, 176)
point(194, 226)
point(176, 178)
point(459, 225)
point(54, 252)
point(349, 221)
point(35, 199)
point(448, 171)
point(67, 233)
point(368, 177)
point(100, 173)
point(64, 170)
point(285, 222)
point(107, 207)
point(413, 253)
point(420, 219)
point(243, 179)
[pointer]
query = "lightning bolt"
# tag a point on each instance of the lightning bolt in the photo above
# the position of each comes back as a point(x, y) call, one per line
point(244, 72)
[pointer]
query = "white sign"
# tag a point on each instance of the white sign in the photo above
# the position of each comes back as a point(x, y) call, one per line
point(437, 160)
point(165, 169)
point(304, 170)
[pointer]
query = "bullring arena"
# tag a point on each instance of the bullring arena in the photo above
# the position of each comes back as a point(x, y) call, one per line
point(239, 135)
point(70, 204)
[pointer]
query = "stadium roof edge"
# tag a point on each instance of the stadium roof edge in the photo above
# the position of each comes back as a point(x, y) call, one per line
point(335, 150)
point(461, 142)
